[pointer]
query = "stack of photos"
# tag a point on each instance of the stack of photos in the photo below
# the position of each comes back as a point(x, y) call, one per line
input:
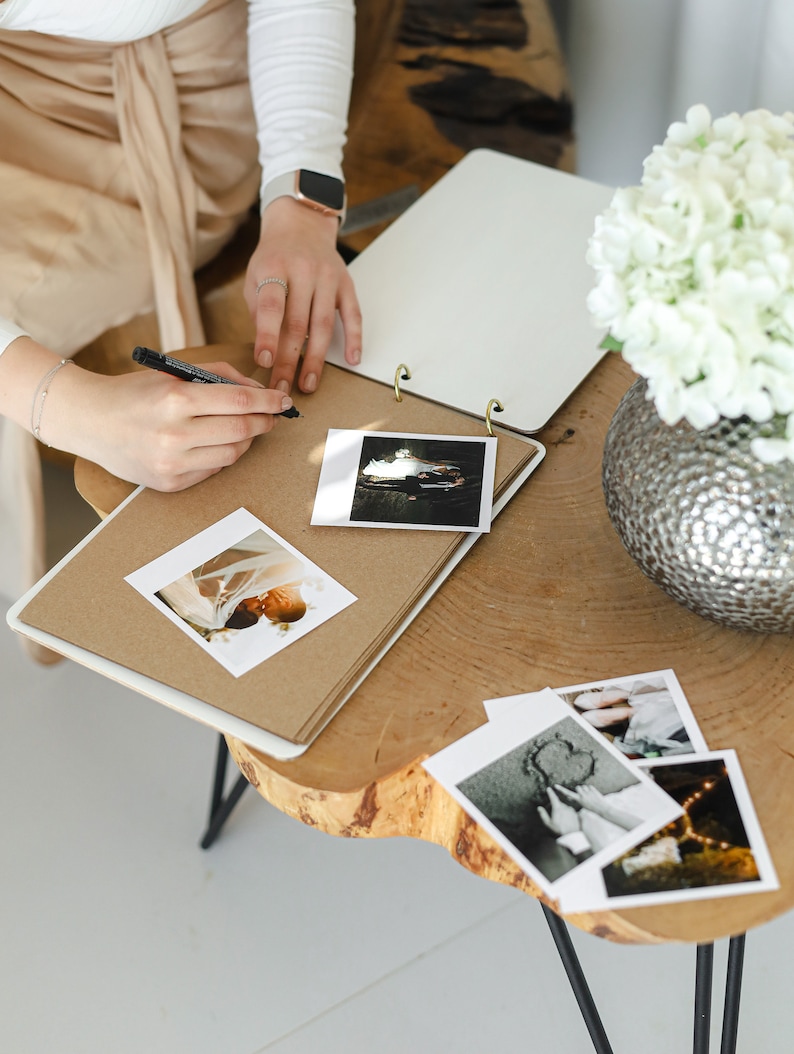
point(560, 779)
point(407, 481)
point(531, 777)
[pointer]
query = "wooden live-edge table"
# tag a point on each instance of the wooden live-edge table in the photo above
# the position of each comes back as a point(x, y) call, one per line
point(548, 598)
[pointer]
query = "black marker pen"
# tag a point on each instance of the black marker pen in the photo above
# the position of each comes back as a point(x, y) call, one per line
point(186, 371)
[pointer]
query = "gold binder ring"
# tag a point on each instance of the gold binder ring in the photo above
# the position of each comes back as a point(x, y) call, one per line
point(401, 374)
point(493, 405)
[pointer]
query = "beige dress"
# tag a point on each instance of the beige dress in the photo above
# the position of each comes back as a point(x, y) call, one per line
point(113, 168)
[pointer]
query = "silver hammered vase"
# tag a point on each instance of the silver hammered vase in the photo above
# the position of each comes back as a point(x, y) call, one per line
point(702, 517)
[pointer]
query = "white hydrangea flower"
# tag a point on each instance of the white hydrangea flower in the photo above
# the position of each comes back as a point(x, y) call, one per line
point(694, 272)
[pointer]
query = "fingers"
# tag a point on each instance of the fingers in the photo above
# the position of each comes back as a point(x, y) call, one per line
point(182, 452)
point(604, 717)
point(602, 697)
point(297, 249)
point(295, 328)
point(224, 369)
point(556, 804)
point(610, 696)
point(350, 314)
point(589, 795)
point(210, 429)
point(269, 311)
point(244, 398)
point(568, 796)
point(157, 477)
point(307, 327)
point(546, 819)
point(320, 329)
point(168, 467)
point(282, 326)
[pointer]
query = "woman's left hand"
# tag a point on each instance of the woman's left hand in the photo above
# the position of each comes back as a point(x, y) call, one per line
point(298, 246)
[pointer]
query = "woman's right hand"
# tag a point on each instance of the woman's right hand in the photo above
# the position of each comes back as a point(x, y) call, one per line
point(169, 434)
point(144, 427)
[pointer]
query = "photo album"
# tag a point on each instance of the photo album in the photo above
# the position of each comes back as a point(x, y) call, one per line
point(268, 593)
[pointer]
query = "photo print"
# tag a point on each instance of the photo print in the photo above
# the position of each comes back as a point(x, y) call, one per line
point(715, 847)
point(388, 479)
point(645, 715)
point(240, 591)
point(554, 794)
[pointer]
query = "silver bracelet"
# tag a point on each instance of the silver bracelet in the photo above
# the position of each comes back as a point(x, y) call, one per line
point(39, 396)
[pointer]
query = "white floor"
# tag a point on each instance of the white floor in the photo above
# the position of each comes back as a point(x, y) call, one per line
point(119, 935)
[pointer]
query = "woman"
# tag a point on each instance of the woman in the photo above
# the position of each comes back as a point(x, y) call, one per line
point(133, 147)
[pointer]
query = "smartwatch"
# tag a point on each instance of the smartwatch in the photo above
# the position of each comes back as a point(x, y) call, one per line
point(325, 194)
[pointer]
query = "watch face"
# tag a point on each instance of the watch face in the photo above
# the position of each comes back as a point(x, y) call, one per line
point(326, 190)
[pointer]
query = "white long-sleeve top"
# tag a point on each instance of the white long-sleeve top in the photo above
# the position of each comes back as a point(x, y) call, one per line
point(300, 68)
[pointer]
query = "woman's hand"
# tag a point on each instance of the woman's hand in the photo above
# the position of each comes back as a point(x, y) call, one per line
point(608, 716)
point(169, 434)
point(298, 245)
point(592, 700)
point(144, 426)
point(562, 819)
point(591, 799)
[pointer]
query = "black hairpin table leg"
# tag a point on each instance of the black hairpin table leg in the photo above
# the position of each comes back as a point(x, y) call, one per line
point(704, 970)
point(733, 991)
point(220, 805)
point(573, 968)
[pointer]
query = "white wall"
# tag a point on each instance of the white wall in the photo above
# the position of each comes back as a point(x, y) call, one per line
point(637, 65)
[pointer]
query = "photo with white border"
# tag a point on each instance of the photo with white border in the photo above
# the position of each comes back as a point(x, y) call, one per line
point(715, 848)
point(557, 797)
point(644, 715)
point(406, 481)
point(240, 591)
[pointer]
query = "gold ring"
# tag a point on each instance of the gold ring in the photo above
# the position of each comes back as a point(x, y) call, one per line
point(493, 405)
point(402, 373)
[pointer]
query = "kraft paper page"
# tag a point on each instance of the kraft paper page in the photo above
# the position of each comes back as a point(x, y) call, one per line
point(292, 695)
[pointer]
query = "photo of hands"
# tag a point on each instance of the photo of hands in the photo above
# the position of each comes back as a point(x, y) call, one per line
point(552, 792)
point(643, 715)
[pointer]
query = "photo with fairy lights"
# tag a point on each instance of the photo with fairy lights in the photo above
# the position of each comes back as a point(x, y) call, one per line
point(707, 846)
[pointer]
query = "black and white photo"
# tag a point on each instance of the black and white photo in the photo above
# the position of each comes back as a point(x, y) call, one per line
point(557, 797)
